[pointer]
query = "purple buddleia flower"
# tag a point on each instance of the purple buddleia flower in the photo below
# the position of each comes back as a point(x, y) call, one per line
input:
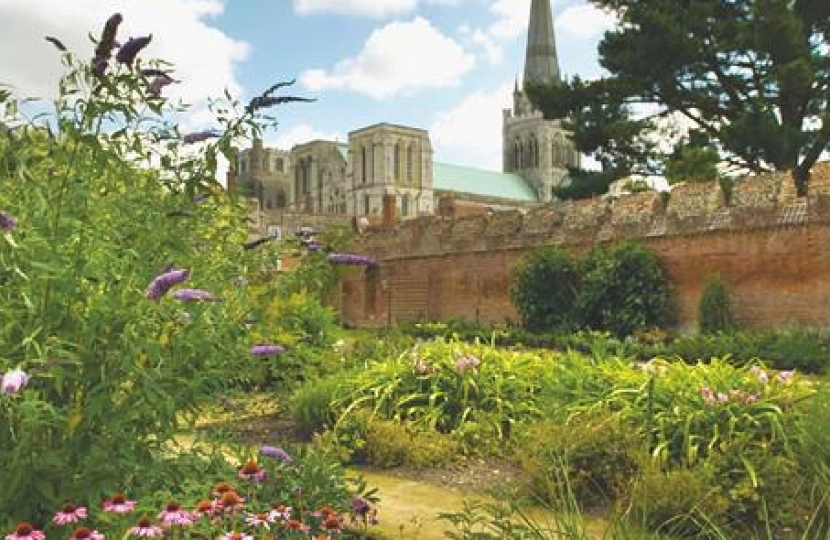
point(100, 66)
point(159, 82)
point(13, 382)
point(163, 282)
point(199, 136)
point(276, 452)
point(7, 223)
point(351, 259)
point(107, 42)
point(194, 295)
point(315, 246)
point(128, 51)
point(266, 350)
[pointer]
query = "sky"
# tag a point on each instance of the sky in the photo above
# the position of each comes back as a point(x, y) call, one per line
point(448, 66)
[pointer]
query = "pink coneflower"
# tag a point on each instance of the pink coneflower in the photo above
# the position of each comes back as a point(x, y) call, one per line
point(174, 514)
point(221, 488)
point(230, 502)
point(85, 533)
point(262, 519)
point(145, 529)
point(13, 382)
point(206, 508)
point(252, 471)
point(119, 504)
point(280, 512)
point(233, 535)
point(25, 531)
point(69, 513)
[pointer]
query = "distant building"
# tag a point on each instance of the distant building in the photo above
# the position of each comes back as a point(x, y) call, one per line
point(351, 179)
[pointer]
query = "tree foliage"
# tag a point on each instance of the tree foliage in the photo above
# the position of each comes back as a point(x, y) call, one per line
point(623, 289)
point(544, 288)
point(753, 76)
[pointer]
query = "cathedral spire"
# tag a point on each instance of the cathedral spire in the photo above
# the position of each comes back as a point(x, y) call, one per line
point(541, 62)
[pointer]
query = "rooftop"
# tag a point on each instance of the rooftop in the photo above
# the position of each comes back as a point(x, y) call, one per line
point(461, 179)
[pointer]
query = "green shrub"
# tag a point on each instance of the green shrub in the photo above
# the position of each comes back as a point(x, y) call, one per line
point(623, 289)
point(311, 405)
point(391, 444)
point(544, 288)
point(714, 312)
point(594, 456)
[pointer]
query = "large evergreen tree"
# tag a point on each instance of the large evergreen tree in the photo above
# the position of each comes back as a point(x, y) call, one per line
point(751, 76)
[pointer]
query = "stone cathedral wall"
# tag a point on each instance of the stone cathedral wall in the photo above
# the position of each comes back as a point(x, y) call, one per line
point(771, 248)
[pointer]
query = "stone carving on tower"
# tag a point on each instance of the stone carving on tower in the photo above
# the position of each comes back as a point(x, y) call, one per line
point(537, 149)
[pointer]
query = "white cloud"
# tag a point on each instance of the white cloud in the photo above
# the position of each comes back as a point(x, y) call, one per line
point(299, 134)
point(511, 19)
point(204, 57)
point(471, 132)
point(584, 21)
point(364, 8)
point(493, 52)
point(399, 58)
point(370, 8)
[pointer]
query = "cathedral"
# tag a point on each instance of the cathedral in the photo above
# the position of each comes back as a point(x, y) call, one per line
point(394, 162)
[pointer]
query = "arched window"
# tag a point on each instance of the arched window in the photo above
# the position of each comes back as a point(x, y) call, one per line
point(363, 164)
point(410, 163)
point(517, 154)
point(278, 165)
point(397, 163)
point(405, 205)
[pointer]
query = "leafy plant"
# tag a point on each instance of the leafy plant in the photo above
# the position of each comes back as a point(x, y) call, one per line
point(714, 311)
point(544, 288)
point(623, 289)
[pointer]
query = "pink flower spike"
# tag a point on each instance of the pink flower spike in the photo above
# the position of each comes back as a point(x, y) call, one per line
point(69, 514)
point(25, 531)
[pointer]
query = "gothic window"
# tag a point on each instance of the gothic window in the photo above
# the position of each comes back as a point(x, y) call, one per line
point(363, 164)
point(265, 163)
point(517, 154)
point(278, 165)
point(410, 163)
point(533, 152)
point(366, 205)
point(397, 163)
point(243, 166)
point(405, 205)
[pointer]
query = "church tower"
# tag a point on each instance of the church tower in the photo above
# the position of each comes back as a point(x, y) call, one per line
point(539, 150)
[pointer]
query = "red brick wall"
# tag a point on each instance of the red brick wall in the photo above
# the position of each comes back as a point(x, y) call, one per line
point(771, 249)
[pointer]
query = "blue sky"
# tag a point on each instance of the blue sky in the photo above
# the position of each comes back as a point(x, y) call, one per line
point(443, 65)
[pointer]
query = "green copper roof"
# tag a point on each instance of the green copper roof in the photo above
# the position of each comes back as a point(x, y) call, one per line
point(461, 179)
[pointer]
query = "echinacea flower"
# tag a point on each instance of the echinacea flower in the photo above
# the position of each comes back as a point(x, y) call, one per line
point(230, 501)
point(266, 350)
point(127, 52)
point(25, 531)
point(7, 223)
point(252, 471)
point(118, 504)
point(233, 535)
point(69, 513)
point(174, 514)
point(85, 533)
point(221, 488)
point(205, 508)
point(276, 452)
point(262, 519)
point(13, 382)
point(280, 512)
point(194, 295)
point(145, 529)
point(164, 282)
